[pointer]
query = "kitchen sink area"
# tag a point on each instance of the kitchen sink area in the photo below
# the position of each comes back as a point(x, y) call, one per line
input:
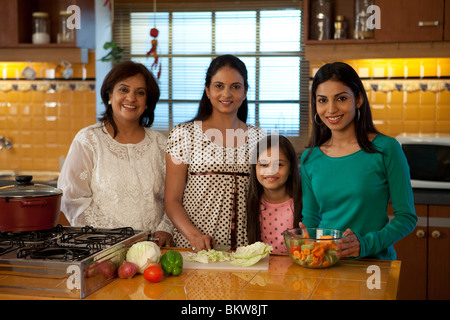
point(8, 177)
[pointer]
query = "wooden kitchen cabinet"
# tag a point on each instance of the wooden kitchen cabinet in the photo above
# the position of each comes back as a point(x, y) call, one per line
point(438, 252)
point(412, 252)
point(410, 20)
point(401, 21)
point(399, 35)
point(447, 20)
point(425, 270)
point(16, 26)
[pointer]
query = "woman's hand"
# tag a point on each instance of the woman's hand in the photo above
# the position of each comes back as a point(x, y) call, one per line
point(164, 239)
point(304, 229)
point(201, 242)
point(348, 246)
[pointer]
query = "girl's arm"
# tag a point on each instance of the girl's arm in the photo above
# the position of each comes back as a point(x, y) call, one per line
point(176, 172)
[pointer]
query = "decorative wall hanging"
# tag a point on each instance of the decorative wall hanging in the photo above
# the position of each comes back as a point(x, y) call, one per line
point(108, 3)
point(156, 65)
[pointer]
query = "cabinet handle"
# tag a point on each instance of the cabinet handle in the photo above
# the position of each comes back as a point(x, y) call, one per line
point(428, 23)
point(420, 233)
point(436, 234)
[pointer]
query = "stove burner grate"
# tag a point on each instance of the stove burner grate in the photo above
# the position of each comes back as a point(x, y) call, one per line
point(96, 238)
point(55, 253)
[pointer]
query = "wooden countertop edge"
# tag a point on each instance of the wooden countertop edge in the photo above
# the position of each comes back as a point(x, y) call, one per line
point(390, 293)
point(393, 279)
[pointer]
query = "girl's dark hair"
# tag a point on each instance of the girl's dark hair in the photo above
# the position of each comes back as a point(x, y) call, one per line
point(342, 72)
point(227, 60)
point(123, 71)
point(293, 185)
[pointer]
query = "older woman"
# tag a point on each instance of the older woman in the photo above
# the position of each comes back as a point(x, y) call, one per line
point(114, 172)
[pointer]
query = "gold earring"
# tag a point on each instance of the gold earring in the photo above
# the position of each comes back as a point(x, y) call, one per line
point(315, 120)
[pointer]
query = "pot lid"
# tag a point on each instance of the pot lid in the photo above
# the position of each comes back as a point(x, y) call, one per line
point(24, 188)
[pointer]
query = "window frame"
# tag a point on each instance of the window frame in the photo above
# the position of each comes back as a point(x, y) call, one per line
point(122, 8)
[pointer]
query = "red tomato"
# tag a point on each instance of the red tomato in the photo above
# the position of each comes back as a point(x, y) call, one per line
point(153, 273)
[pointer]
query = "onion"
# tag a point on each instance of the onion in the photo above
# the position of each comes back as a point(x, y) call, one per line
point(107, 269)
point(127, 270)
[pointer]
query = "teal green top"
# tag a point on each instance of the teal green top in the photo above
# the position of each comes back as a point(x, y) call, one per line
point(353, 192)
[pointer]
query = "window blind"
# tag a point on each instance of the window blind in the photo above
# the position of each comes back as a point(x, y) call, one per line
point(265, 35)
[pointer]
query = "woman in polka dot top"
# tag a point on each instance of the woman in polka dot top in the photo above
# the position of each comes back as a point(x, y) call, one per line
point(274, 200)
point(208, 163)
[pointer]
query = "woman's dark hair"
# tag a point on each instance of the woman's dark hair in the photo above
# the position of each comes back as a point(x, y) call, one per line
point(342, 72)
point(123, 71)
point(293, 185)
point(227, 60)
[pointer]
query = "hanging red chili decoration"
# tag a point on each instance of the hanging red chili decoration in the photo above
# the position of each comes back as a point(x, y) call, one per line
point(154, 52)
point(154, 45)
point(109, 3)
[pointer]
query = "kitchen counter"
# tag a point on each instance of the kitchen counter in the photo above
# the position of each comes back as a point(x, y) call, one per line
point(284, 280)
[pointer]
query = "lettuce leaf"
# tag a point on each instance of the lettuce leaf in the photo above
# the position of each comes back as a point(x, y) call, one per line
point(205, 256)
point(251, 254)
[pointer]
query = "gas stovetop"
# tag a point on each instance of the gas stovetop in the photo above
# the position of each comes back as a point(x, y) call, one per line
point(63, 261)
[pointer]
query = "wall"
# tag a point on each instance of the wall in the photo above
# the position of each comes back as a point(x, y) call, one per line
point(406, 95)
point(41, 117)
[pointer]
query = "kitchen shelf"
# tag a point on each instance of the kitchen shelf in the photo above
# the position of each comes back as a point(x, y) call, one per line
point(376, 50)
point(398, 37)
point(44, 53)
point(15, 38)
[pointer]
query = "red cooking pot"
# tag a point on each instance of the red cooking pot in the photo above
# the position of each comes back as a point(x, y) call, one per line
point(26, 206)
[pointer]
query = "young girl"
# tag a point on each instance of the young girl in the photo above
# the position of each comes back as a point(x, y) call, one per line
point(274, 200)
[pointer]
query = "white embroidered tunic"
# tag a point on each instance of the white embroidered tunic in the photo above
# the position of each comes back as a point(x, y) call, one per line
point(107, 184)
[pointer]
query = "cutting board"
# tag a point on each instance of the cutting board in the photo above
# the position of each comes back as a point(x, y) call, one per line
point(262, 264)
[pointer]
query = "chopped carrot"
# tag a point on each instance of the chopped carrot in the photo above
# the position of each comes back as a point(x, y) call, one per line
point(306, 251)
point(325, 263)
point(297, 254)
point(318, 252)
point(326, 242)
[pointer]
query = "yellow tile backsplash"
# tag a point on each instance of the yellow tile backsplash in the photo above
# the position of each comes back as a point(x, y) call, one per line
point(41, 117)
point(399, 103)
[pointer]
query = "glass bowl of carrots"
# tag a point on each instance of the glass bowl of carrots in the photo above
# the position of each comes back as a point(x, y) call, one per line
point(314, 249)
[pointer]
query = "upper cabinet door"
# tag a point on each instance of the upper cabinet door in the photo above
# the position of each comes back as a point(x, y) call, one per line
point(8, 23)
point(411, 20)
point(447, 21)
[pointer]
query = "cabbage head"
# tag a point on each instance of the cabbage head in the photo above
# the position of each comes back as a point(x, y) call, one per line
point(143, 253)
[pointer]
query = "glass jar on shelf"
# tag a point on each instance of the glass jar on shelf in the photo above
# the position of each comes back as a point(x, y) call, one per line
point(65, 35)
point(41, 28)
point(340, 28)
point(362, 28)
point(320, 25)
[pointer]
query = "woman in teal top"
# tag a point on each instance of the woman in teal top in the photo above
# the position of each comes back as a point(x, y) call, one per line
point(350, 170)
